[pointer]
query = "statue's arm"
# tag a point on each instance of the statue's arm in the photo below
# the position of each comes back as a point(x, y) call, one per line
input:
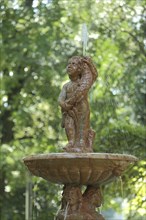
point(65, 106)
point(88, 79)
point(62, 96)
point(89, 76)
point(83, 88)
point(92, 67)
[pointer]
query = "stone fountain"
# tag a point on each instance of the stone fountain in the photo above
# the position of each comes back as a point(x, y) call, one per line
point(78, 165)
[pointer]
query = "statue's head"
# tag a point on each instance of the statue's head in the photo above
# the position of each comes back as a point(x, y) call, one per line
point(72, 195)
point(74, 67)
point(93, 194)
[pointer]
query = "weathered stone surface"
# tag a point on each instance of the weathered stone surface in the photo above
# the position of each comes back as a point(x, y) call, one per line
point(78, 168)
point(74, 104)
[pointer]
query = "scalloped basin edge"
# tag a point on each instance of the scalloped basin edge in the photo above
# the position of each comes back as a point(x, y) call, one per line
point(79, 168)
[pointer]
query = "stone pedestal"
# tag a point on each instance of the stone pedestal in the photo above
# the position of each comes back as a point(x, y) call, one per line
point(75, 170)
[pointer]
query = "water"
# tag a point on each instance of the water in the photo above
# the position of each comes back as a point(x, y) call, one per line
point(66, 211)
point(84, 38)
point(100, 209)
point(57, 213)
point(121, 186)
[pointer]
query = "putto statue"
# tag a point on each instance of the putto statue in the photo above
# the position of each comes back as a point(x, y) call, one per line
point(81, 168)
point(73, 101)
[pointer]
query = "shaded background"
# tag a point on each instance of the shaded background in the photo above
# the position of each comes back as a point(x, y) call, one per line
point(38, 38)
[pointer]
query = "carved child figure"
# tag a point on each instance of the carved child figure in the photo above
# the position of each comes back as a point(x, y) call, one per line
point(74, 104)
point(71, 203)
point(92, 199)
point(76, 206)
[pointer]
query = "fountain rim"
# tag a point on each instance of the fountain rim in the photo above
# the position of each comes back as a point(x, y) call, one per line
point(65, 155)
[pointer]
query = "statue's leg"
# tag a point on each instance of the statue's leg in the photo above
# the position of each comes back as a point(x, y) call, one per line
point(83, 129)
point(70, 132)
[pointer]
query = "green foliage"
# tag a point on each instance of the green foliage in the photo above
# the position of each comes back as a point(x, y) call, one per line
point(123, 138)
point(37, 38)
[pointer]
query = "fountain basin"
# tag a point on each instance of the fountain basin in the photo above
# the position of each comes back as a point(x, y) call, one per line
point(78, 168)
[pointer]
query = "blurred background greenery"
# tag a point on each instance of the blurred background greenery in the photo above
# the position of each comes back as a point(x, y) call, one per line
point(38, 37)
